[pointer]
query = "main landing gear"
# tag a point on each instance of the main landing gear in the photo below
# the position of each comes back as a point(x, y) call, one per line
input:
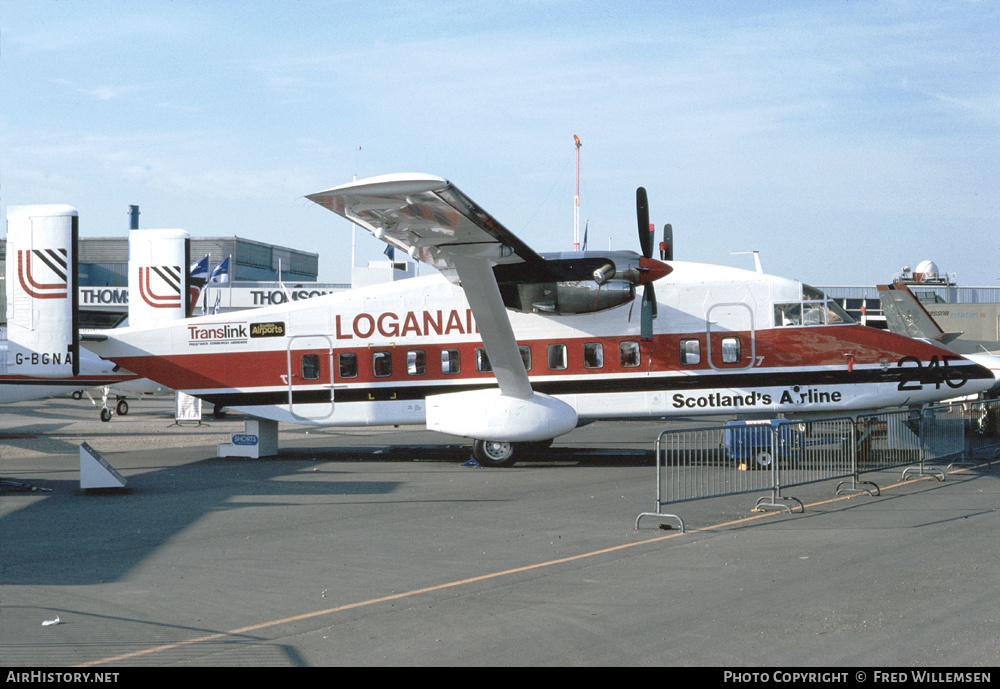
point(495, 454)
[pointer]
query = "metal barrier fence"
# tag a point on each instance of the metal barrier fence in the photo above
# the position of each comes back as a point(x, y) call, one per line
point(771, 455)
point(983, 437)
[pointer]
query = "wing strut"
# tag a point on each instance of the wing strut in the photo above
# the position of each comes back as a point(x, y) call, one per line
point(483, 294)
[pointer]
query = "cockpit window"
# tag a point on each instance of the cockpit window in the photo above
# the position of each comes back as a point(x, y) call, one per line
point(810, 293)
point(814, 309)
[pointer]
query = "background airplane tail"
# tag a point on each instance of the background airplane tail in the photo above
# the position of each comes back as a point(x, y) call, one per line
point(158, 276)
point(42, 294)
point(905, 315)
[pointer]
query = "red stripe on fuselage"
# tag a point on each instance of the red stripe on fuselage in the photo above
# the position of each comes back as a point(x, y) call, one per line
point(805, 347)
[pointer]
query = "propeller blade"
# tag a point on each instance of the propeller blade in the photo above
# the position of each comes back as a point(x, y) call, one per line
point(667, 245)
point(642, 214)
point(647, 311)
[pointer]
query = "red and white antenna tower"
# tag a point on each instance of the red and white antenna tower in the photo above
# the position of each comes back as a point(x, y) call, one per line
point(576, 199)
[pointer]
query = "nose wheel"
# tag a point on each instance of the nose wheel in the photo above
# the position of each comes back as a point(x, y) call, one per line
point(121, 406)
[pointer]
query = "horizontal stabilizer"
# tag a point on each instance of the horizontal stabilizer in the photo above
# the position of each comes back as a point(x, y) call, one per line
point(945, 338)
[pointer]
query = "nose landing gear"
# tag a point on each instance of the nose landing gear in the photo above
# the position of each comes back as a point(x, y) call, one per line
point(121, 406)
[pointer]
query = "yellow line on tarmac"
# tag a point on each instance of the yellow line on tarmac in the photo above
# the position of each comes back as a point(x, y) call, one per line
point(452, 584)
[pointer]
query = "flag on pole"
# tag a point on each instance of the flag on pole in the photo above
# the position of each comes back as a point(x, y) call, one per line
point(199, 269)
point(218, 297)
point(220, 274)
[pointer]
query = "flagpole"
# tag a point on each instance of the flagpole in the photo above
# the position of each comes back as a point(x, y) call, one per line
point(232, 274)
point(204, 292)
point(576, 199)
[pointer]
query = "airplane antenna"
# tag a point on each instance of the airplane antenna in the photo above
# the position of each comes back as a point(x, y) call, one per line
point(756, 258)
point(576, 199)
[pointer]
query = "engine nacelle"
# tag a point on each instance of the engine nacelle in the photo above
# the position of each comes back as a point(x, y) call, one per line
point(490, 415)
point(572, 282)
point(580, 296)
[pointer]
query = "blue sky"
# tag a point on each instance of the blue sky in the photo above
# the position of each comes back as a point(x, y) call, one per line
point(842, 140)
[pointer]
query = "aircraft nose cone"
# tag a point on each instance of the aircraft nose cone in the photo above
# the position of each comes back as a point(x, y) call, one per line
point(650, 270)
point(989, 362)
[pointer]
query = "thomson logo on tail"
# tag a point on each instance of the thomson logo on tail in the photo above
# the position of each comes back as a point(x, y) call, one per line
point(168, 286)
point(52, 263)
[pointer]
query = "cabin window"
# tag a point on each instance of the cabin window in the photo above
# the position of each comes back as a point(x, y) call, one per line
point(382, 364)
point(628, 354)
point(690, 352)
point(416, 363)
point(556, 354)
point(525, 356)
point(310, 366)
point(593, 355)
point(482, 360)
point(348, 365)
point(451, 362)
point(730, 350)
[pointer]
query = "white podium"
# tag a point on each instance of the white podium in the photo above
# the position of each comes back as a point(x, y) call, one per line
point(258, 439)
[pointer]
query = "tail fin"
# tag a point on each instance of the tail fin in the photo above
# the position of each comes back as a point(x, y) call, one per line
point(42, 294)
point(907, 316)
point(158, 276)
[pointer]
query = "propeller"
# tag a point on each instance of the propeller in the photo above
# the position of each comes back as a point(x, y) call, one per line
point(642, 214)
point(648, 304)
point(667, 245)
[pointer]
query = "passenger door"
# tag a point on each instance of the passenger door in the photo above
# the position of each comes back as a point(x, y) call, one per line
point(310, 377)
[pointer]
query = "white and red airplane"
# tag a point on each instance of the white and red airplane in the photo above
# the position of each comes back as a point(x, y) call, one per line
point(41, 357)
point(905, 315)
point(160, 293)
point(508, 347)
point(93, 372)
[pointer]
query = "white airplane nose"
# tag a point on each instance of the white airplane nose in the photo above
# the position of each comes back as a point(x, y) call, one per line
point(991, 362)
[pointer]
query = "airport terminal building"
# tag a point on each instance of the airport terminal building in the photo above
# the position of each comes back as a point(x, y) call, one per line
point(263, 274)
point(253, 277)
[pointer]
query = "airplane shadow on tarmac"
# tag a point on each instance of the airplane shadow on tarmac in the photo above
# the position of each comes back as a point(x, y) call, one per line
point(73, 537)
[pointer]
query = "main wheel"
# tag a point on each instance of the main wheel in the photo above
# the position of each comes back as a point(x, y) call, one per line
point(121, 408)
point(78, 394)
point(493, 453)
point(763, 459)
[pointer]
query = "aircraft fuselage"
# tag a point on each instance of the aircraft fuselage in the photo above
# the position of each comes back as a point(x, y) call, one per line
point(372, 356)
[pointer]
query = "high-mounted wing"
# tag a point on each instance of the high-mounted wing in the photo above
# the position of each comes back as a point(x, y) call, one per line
point(437, 224)
point(429, 219)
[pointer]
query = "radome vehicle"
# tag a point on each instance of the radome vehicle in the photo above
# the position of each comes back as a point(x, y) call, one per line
point(507, 346)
